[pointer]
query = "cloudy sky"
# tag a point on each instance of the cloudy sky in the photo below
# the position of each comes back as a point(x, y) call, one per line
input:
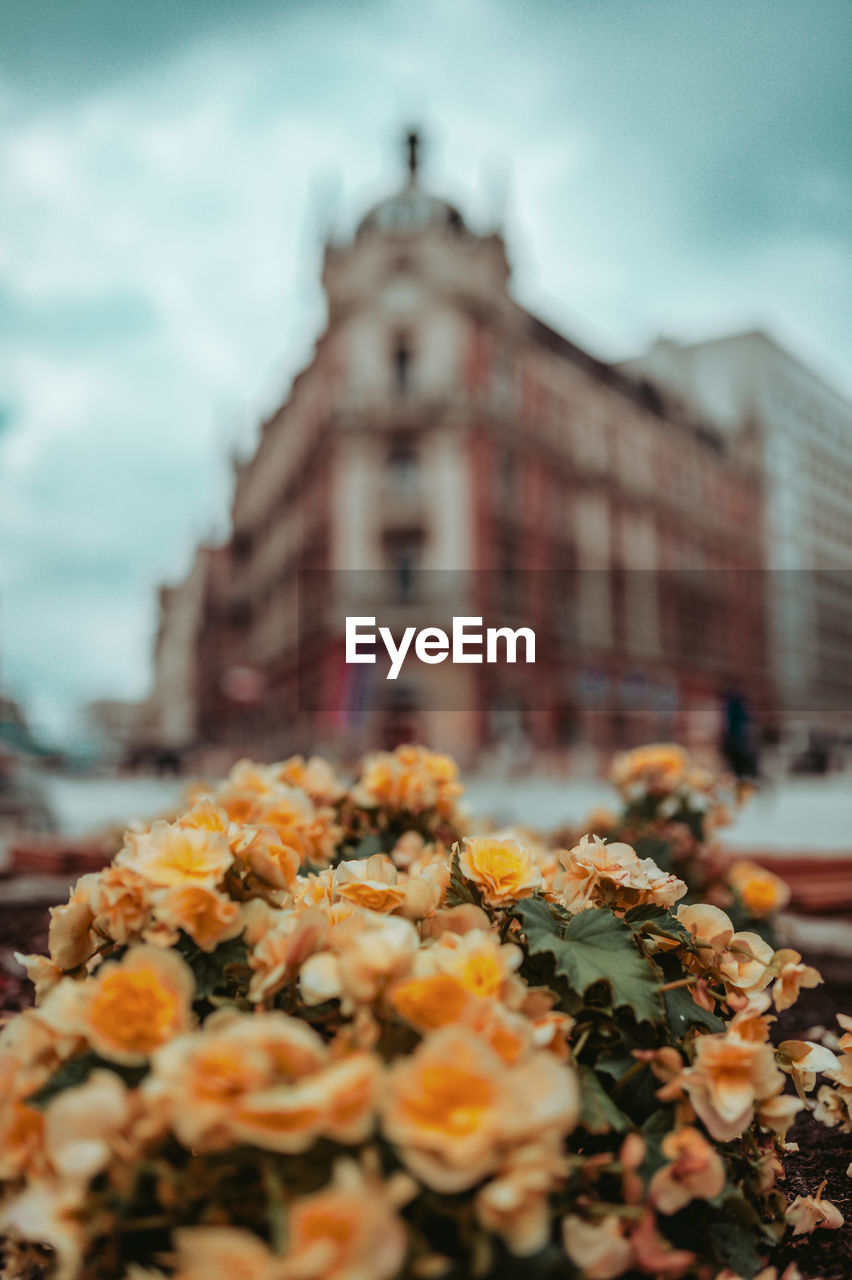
point(670, 165)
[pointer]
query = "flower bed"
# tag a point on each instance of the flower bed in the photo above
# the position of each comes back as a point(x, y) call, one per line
point(319, 1030)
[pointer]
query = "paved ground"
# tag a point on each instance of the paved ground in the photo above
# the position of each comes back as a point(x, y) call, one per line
point(800, 814)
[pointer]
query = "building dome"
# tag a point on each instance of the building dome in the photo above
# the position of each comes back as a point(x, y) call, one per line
point(412, 209)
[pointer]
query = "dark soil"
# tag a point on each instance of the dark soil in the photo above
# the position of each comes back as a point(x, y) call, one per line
point(823, 1153)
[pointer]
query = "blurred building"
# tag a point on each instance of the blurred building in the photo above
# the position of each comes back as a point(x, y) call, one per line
point(442, 427)
point(749, 386)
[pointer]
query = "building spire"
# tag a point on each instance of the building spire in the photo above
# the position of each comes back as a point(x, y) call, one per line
point(412, 146)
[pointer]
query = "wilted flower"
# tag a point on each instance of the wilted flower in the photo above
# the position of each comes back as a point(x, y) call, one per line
point(791, 976)
point(807, 1213)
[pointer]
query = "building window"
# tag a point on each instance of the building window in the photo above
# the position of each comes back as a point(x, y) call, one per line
point(403, 467)
point(403, 558)
point(402, 366)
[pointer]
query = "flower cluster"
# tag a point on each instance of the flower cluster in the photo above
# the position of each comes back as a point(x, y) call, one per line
point(674, 810)
point(310, 1031)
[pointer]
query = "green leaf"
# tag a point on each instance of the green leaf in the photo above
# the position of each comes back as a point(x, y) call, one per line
point(460, 890)
point(682, 1013)
point(209, 968)
point(77, 1070)
point(730, 1234)
point(365, 848)
point(658, 922)
point(598, 1112)
point(595, 946)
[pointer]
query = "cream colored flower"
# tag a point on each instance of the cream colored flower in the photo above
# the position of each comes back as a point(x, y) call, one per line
point(223, 1253)
point(514, 1205)
point(348, 1231)
point(657, 769)
point(613, 875)
point(172, 854)
point(728, 1077)
point(48, 1211)
point(502, 869)
point(70, 937)
point(807, 1213)
point(121, 901)
point(83, 1125)
point(695, 1171)
point(371, 883)
point(791, 976)
point(745, 963)
point(598, 1249)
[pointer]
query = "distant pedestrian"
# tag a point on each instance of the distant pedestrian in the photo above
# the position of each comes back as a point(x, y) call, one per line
point(739, 738)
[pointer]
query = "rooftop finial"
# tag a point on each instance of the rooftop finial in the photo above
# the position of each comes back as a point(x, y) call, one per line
point(412, 144)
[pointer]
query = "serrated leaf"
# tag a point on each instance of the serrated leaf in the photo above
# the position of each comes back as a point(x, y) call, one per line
point(655, 920)
point(459, 889)
point(595, 946)
point(682, 1013)
point(598, 1112)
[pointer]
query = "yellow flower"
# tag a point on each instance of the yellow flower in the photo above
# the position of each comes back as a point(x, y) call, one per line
point(131, 1007)
point(454, 1106)
point(726, 1079)
point(760, 891)
point(501, 868)
point(431, 1002)
point(273, 862)
point(206, 916)
point(171, 854)
point(659, 768)
point(695, 1171)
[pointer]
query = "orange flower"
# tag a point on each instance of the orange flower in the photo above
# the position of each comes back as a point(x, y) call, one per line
point(695, 1171)
point(198, 1080)
point(410, 780)
point(613, 875)
point(454, 1106)
point(273, 862)
point(501, 868)
point(205, 915)
point(726, 1079)
point(21, 1138)
point(121, 901)
point(760, 891)
point(431, 1002)
point(792, 975)
point(172, 854)
point(347, 1231)
point(131, 1007)
point(70, 938)
point(658, 768)
point(371, 883)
